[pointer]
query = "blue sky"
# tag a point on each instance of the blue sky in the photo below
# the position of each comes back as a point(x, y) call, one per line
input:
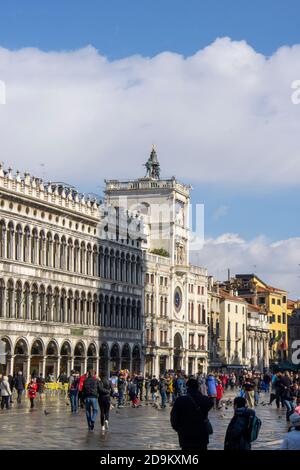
point(259, 194)
point(119, 28)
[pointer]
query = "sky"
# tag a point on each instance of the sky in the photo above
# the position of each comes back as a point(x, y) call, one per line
point(90, 86)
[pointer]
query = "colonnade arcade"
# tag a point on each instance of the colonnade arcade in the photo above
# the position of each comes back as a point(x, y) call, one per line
point(45, 248)
point(25, 301)
point(50, 358)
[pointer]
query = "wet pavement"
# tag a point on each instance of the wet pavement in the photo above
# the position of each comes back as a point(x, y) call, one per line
point(142, 428)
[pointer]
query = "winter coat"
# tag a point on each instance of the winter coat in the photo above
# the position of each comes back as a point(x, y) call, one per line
point(91, 388)
point(180, 387)
point(211, 386)
point(32, 389)
point(5, 388)
point(219, 391)
point(132, 390)
point(291, 441)
point(153, 385)
point(74, 384)
point(104, 389)
point(188, 422)
point(162, 386)
point(121, 385)
point(19, 382)
point(237, 435)
point(81, 380)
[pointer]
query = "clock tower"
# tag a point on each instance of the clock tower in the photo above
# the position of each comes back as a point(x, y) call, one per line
point(163, 203)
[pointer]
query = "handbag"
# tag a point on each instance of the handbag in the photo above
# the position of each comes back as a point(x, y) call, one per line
point(207, 423)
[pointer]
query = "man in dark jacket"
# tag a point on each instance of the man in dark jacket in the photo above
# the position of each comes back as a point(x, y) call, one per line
point(189, 418)
point(19, 384)
point(90, 393)
point(237, 434)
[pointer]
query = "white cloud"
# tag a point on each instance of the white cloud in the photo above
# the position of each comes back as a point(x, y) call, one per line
point(276, 263)
point(224, 114)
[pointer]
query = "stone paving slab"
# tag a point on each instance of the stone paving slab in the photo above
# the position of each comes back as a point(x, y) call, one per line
point(143, 428)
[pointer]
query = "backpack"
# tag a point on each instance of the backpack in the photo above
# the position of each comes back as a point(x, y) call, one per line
point(254, 427)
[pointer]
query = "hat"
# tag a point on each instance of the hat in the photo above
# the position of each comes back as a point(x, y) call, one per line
point(295, 419)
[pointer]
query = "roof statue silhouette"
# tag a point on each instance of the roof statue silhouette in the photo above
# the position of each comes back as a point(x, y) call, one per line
point(152, 165)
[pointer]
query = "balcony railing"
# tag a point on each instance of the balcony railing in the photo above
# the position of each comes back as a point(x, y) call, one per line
point(164, 344)
point(150, 343)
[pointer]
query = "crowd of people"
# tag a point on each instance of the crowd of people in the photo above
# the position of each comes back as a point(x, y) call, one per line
point(191, 399)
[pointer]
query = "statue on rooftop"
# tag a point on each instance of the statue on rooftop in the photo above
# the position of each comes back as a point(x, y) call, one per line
point(152, 165)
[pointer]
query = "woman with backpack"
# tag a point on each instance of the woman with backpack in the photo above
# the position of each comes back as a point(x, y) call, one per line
point(243, 427)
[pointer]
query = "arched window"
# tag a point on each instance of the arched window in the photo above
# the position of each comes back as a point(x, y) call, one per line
point(42, 248)
point(82, 258)
point(18, 243)
point(62, 256)
point(10, 240)
point(2, 239)
point(49, 250)
point(34, 246)
point(89, 260)
point(76, 257)
point(19, 311)
point(56, 251)
point(70, 255)
point(10, 299)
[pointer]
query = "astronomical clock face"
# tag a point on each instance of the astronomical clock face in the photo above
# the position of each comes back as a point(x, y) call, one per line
point(177, 299)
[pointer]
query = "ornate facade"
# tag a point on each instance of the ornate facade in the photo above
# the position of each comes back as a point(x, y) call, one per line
point(71, 292)
point(175, 292)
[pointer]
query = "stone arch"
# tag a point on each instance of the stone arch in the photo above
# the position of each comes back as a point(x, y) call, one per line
point(21, 359)
point(92, 356)
point(18, 242)
point(2, 239)
point(103, 359)
point(37, 352)
point(70, 254)
point(115, 357)
point(79, 357)
point(10, 298)
point(49, 246)
point(18, 299)
point(126, 357)
point(65, 357)
point(10, 239)
point(26, 303)
point(6, 368)
point(82, 258)
point(136, 360)
point(51, 369)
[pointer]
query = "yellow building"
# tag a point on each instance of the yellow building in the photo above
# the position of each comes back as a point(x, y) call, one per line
point(275, 302)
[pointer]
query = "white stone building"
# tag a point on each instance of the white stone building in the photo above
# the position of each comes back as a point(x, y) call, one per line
point(70, 297)
point(257, 337)
point(175, 291)
point(233, 330)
